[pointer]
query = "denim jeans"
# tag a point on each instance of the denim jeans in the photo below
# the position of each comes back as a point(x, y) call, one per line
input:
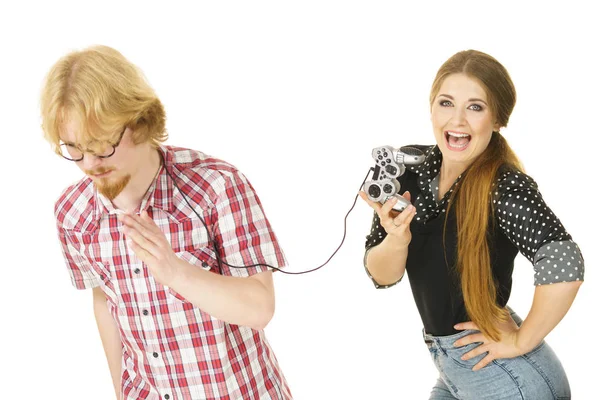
point(537, 375)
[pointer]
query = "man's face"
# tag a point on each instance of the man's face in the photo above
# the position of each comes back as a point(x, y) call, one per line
point(110, 175)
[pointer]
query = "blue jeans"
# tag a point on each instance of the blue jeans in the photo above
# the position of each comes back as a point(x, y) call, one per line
point(537, 375)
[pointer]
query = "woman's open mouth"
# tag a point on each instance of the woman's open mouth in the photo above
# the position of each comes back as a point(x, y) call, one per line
point(457, 141)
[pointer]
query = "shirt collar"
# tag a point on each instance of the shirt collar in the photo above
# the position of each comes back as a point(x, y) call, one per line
point(159, 194)
point(427, 172)
point(429, 169)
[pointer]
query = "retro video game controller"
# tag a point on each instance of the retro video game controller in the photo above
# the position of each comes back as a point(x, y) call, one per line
point(390, 163)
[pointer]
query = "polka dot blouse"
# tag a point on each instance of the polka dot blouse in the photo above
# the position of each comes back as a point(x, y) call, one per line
point(520, 213)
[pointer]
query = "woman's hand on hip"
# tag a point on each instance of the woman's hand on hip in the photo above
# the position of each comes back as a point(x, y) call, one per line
point(507, 346)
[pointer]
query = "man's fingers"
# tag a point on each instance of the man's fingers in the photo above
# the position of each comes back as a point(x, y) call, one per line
point(142, 253)
point(137, 237)
point(135, 223)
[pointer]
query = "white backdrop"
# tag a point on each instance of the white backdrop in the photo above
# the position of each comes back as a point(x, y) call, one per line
point(296, 94)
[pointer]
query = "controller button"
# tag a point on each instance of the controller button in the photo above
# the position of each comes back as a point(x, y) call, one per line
point(374, 191)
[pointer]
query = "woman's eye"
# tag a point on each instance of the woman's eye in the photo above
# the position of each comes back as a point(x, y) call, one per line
point(445, 103)
point(475, 107)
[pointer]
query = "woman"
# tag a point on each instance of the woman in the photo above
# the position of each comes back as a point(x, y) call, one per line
point(473, 210)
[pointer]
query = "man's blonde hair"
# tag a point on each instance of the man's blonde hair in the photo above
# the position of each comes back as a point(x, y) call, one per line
point(103, 92)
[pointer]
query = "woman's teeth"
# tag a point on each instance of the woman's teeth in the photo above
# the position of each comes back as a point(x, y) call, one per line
point(458, 140)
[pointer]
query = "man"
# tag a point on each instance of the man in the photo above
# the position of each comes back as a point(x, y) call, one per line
point(176, 321)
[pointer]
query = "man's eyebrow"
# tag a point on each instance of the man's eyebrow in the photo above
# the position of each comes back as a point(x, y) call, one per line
point(471, 99)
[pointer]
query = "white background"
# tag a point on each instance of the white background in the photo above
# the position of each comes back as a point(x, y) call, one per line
point(296, 94)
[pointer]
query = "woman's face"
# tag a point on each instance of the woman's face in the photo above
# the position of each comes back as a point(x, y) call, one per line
point(462, 120)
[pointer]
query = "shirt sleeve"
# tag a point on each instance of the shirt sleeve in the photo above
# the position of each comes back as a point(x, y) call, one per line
point(83, 276)
point(539, 235)
point(242, 231)
point(374, 238)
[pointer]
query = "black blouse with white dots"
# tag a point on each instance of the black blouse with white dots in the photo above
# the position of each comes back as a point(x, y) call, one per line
point(523, 223)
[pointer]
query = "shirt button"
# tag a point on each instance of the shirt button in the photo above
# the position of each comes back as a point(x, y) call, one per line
point(204, 264)
point(155, 354)
point(167, 396)
point(137, 270)
point(145, 312)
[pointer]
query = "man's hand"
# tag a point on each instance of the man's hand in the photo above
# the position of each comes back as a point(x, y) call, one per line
point(151, 246)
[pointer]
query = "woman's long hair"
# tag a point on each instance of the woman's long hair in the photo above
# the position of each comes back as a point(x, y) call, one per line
point(472, 201)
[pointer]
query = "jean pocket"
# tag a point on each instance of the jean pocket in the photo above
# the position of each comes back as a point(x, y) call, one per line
point(456, 353)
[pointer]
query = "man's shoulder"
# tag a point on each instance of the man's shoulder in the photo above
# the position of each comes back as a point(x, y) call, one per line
point(184, 159)
point(75, 206)
point(199, 171)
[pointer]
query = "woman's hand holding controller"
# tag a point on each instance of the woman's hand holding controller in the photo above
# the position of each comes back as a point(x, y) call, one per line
point(397, 225)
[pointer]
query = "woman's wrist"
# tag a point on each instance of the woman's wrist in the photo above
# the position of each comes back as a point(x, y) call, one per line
point(526, 341)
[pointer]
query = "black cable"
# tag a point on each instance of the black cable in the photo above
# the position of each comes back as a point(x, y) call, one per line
point(220, 261)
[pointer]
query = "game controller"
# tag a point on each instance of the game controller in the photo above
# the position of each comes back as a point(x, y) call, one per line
point(390, 164)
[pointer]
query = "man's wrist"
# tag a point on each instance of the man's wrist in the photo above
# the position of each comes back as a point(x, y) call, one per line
point(180, 273)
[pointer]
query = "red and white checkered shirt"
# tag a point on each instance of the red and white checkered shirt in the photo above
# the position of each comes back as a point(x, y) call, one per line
point(172, 349)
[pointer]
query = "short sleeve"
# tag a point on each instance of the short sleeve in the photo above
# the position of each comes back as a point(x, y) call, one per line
point(531, 225)
point(242, 231)
point(83, 276)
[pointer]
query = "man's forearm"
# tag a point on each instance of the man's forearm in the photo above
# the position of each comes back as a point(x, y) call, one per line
point(550, 304)
point(111, 339)
point(240, 301)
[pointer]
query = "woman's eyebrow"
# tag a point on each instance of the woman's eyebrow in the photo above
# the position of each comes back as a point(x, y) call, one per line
point(471, 99)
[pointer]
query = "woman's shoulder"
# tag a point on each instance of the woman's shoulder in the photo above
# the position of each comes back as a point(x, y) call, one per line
point(512, 179)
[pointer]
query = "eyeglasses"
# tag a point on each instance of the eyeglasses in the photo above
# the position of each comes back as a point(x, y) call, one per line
point(102, 150)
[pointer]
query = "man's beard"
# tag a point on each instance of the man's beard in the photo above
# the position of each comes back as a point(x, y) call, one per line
point(109, 188)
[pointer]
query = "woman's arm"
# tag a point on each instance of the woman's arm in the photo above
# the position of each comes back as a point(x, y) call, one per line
point(530, 224)
point(386, 262)
point(387, 245)
point(550, 304)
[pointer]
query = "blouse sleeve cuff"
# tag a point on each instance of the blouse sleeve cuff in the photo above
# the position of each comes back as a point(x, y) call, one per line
point(558, 261)
point(375, 283)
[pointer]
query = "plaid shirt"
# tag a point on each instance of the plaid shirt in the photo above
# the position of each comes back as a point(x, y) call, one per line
point(171, 348)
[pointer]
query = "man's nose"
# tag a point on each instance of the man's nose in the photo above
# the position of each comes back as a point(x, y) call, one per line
point(90, 161)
